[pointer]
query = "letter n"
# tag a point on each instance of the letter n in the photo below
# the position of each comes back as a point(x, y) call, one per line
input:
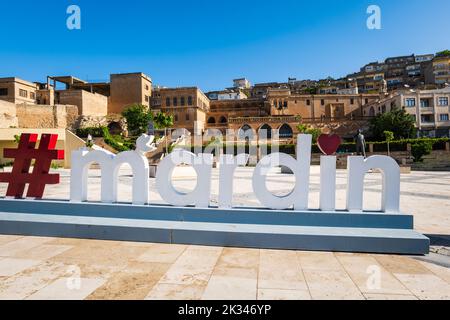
point(390, 170)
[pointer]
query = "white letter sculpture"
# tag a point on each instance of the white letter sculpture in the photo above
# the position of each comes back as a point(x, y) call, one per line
point(298, 197)
point(110, 165)
point(328, 183)
point(202, 165)
point(390, 170)
point(228, 165)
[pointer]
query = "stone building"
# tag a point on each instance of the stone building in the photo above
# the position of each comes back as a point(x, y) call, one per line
point(281, 110)
point(16, 90)
point(430, 108)
point(441, 69)
point(127, 89)
point(188, 105)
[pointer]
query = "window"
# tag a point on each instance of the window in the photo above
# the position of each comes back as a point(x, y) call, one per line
point(3, 91)
point(322, 102)
point(285, 104)
point(167, 102)
point(443, 101)
point(366, 101)
point(424, 103)
point(146, 87)
point(189, 101)
point(410, 102)
point(32, 95)
point(182, 101)
point(175, 101)
point(443, 117)
point(23, 93)
point(308, 102)
point(146, 98)
point(187, 116)
point(352, 101)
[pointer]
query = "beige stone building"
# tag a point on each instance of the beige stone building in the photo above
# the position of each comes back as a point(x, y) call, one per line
point(441, 70)
point(281, 110)
point(127, 89)
point(188, 105)
point(430, 108)
point(16, 90)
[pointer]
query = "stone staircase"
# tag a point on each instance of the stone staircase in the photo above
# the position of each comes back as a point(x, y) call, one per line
point(436, 161)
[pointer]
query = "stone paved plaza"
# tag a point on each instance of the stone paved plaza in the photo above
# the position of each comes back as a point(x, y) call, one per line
point(49, 268)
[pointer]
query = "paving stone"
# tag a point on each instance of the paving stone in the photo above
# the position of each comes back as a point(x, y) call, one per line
point(63, 289)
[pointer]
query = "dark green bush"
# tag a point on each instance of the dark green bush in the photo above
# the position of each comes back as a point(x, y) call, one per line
point(93, 131)
point(420, 149)
point(350, 147)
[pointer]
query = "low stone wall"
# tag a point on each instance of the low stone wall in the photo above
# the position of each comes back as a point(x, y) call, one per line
point(8, 116)
point(45, 116)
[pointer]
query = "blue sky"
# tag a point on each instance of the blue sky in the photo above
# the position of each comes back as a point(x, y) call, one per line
point(208, 43)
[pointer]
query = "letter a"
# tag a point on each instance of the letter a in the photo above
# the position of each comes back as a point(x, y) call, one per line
point(374, 20)
point(74, 20)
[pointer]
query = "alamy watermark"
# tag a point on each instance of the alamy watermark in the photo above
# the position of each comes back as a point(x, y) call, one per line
point(374, 20)
point(73, 21)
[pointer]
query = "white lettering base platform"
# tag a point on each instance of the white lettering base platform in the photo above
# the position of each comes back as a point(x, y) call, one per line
point(189, 219)
point(251, 228)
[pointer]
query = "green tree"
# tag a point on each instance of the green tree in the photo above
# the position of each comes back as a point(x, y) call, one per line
point(400, 123)
point(444, 53)
point(389, 135)
point(162, 120)
point(138, 117)
point(303, 128)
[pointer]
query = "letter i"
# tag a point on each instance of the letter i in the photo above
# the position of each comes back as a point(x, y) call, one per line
point(327, 183)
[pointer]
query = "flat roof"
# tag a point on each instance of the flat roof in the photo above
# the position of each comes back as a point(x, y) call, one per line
point(67, 79)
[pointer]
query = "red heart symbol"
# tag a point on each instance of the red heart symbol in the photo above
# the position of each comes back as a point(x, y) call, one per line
point(329, 144)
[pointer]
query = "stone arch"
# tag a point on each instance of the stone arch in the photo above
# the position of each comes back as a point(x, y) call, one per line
point(115, 128)
point(223, 119)
point(268, 129)
point(211, 120)
point(372, 112)
point(246, 132)
point(285, 131)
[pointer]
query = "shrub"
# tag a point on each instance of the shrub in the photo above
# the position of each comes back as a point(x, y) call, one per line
point(93, 131)
point(420, 149)
point(109, 139)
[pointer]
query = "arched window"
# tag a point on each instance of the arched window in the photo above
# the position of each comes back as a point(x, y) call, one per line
point(211, 120)
point(268, 131)
point(372, 112)
point(285, 131)
point(223, 119)
point(245, 132)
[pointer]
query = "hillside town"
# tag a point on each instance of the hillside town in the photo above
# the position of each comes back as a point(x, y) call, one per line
point(418, 84)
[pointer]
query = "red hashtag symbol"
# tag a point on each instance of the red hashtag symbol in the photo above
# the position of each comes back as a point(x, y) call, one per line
point(23, 155)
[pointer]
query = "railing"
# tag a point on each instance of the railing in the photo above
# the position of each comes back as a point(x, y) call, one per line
point(287, 119)
point(242, 120)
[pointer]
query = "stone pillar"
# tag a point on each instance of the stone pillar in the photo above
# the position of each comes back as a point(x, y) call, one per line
point(447, 146)
point(370, 147)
